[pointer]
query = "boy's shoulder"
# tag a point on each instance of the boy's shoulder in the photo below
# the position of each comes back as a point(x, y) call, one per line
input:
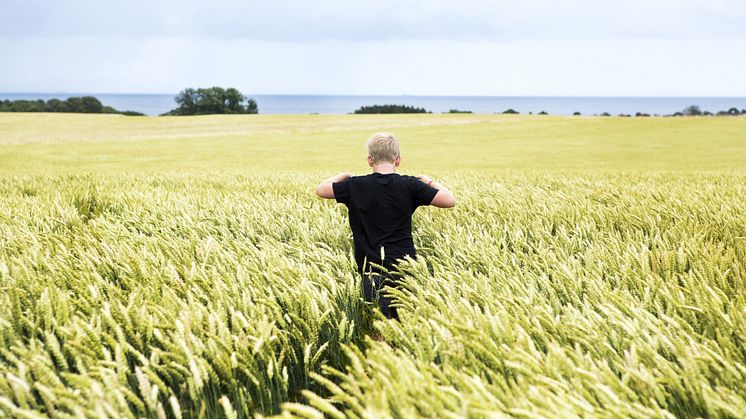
point(384, 179)
point(375, 175)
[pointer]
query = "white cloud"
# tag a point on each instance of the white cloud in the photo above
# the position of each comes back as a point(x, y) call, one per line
point(380, 20)
point(566, 67)
point(529, 47)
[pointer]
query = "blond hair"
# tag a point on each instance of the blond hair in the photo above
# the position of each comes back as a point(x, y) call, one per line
point(383, 147)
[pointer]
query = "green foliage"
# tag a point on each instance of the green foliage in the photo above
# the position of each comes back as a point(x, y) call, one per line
point(374, 109)
point(83, 104)
point(22, 105)
point(458, 111)
point(692, 110)
point(511, 111)
point(213, 100)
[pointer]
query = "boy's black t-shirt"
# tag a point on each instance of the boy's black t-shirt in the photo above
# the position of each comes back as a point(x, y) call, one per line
point(380, 207)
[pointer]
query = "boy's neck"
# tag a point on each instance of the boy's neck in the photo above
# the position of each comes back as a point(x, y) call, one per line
point(384, 168)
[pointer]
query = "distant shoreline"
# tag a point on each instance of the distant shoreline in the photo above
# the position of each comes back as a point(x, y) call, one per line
point(155, 104)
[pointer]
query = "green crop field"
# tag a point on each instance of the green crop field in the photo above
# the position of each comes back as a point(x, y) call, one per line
point(182, 267)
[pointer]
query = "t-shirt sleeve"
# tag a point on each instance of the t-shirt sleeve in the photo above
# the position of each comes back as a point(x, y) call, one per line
point(342, 191)
point(423, 193)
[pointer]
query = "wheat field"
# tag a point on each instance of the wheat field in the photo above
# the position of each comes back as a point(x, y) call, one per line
point(166, 267)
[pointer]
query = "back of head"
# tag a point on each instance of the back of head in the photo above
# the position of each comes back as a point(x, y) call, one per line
point(383, 147)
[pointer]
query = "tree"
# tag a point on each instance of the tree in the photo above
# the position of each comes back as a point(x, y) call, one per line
point(511, 111)
point(233, 100)
point(251, 106)
point(692, 110)
point(213, 100)
point(91, 105)
point(56, 105)
point(84, 104)
point(733, 111)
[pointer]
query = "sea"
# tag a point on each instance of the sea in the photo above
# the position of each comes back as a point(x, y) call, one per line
point(156, 104)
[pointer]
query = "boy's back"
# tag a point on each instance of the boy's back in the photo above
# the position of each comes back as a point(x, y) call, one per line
point(380, 208)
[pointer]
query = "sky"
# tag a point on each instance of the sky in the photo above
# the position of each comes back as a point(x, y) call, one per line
point(382, 47)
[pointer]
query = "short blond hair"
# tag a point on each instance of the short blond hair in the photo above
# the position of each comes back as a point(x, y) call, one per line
point(383, 147)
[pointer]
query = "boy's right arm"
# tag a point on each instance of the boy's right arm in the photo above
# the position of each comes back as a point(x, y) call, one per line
point(444, 198)
point(325, 188)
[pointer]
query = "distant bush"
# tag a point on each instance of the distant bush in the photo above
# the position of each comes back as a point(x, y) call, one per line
point(605, 114)
point(132, 113)
point(692, 110)
point(389, 109)
point(733, 111)
point(22, 106)
point(56, 105)
point(85, 104)
point(543, 113)
point(642, 114)
point(458, 111)
point(213, 100)
point(576, 113)
point(75, 104)
point(511, 111)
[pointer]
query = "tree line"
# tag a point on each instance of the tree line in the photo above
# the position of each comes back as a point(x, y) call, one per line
point(82, 104)
point(201, 101)
point(390, 109)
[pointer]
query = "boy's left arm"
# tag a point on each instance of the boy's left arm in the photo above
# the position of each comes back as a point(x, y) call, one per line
point(325, 189)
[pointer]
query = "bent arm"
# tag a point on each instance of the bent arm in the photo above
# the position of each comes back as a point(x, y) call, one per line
point(325, 189)
point(444, 198)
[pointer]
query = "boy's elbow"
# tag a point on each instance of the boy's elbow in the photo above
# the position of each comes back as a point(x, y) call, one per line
point(444, 199)
point(325, 190)
point(451, 201)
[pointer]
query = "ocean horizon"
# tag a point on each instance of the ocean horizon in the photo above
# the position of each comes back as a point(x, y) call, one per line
point(156, 104)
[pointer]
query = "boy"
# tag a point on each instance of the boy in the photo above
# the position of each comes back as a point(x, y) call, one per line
point(380, 207)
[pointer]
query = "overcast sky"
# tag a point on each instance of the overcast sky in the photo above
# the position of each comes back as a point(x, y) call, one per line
point(428, 47)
